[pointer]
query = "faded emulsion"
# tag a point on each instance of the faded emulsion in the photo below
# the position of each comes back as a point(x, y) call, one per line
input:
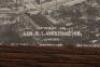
point(50, 21)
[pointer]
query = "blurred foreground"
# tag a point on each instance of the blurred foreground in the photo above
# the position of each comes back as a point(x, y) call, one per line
point(49, 57)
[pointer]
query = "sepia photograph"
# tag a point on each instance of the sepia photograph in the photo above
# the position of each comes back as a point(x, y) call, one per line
point(49, 33)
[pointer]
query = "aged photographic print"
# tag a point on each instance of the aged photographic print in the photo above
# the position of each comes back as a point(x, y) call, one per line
point(50, 22)
point(49, 33)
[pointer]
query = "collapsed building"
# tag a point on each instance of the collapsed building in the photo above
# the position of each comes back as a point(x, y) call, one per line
point(19, 22)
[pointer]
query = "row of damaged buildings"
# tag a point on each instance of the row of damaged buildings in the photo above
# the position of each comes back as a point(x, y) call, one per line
point(20, 18)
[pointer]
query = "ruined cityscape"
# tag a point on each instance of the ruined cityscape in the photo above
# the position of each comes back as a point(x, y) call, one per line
point(50, 22)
